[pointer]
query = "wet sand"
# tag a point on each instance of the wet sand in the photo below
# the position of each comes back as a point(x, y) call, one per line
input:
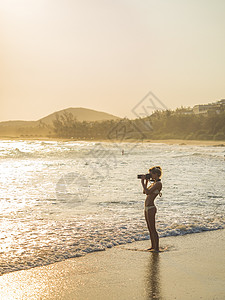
point(193, 267)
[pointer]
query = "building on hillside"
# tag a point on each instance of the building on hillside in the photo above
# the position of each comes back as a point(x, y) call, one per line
point(201, 108)
point(221, 102)
point(211, 107)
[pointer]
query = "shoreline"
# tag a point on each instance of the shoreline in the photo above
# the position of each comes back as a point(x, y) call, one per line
point(161, 141)
point(188, 269)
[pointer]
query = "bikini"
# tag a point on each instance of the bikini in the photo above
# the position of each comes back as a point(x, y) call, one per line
point(149, 207)
point(157, 192)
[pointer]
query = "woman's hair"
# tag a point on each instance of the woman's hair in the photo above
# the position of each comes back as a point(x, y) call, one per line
point(156, 170)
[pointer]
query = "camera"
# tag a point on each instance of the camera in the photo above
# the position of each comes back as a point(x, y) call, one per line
point(147, 176)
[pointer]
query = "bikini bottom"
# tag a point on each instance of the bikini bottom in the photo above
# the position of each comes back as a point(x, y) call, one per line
point(149, 207)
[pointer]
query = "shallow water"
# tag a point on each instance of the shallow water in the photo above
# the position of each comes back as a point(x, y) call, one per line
point(65, 199)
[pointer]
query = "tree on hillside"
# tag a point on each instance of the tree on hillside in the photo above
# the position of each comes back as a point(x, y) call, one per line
point(65, 125)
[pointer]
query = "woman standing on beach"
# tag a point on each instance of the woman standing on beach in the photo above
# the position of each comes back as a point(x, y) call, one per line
point(150, 209)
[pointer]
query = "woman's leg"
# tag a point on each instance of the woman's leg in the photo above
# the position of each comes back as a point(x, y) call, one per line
point(151, 218)
point(150, 232)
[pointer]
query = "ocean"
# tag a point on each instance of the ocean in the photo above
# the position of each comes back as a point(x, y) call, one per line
point(66, 199)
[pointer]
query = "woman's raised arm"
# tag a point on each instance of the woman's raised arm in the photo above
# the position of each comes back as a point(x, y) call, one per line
point(157, 185)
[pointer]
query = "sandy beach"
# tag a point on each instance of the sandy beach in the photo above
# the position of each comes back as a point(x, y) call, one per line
point(192, 267)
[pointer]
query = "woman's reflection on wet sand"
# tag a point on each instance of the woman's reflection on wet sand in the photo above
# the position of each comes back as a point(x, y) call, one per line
point(153, 289)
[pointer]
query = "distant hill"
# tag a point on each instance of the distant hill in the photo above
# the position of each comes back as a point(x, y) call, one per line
point(81, 114)
point(42, 127)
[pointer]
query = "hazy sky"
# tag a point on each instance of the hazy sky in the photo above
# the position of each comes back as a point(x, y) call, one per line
point(106, 55)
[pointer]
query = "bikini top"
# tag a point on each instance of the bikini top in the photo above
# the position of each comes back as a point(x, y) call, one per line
point(157, 192)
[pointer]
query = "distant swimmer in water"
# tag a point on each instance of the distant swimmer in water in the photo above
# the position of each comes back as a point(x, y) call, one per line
point(150, 209)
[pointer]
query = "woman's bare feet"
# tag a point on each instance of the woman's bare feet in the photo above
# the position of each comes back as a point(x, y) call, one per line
point(155, 250)
point(150, 249)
